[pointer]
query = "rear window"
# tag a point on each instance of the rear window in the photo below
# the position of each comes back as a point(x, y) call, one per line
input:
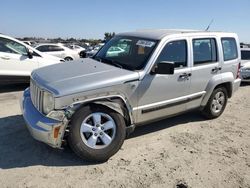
point(245, 55)
point(229, 49)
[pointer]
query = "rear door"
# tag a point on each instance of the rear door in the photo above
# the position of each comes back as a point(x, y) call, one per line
point(52, 50)
point(206, 64)
point(15, 64)
point(56, 51)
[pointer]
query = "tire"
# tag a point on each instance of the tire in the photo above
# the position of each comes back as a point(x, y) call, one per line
point(68, 59)
point(85, 136)
point(216, 103)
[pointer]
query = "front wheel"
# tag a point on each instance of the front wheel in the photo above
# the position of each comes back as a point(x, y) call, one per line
point(96, 133)
point(216, 103)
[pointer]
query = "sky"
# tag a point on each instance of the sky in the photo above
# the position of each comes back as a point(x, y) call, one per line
point(91, 19)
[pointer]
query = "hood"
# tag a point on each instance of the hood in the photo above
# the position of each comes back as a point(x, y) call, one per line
point(83, 75)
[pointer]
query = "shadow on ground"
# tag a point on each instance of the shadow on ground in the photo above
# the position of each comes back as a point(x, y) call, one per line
point(18, 149)
point(12, 87)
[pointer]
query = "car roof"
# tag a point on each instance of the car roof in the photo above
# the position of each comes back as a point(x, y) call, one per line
point(54, 44)
point(158, 34)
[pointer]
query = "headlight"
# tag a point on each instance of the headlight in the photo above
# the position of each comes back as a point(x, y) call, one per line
point(48, 102)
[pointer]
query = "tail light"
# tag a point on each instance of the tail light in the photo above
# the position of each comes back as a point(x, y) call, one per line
point(238, 71)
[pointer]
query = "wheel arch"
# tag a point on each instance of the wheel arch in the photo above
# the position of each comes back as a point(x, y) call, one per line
point(116, 103)
point(222, 80)
point(68, 56)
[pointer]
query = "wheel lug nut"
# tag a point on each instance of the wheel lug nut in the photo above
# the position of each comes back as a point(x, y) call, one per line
point(95, 134)
point(102, 128)
point(93, 129)
point(101, 133)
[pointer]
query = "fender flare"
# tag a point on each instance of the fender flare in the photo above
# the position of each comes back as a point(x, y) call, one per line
point(223, 78)
point(115, 102)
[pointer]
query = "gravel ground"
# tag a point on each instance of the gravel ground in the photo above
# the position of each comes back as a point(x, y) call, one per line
point(184, 151)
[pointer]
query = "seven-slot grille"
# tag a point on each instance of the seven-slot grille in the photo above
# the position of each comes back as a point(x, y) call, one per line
point(36, 95)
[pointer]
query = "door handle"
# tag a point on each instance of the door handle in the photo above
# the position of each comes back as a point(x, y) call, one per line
point(216, 69)
point(5, 57)
point(185, 76)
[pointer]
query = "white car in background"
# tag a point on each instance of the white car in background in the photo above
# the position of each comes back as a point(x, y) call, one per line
point(245, 65)
point(92, 52)
point(76, 48)
point(58, 50)
point(18, 60)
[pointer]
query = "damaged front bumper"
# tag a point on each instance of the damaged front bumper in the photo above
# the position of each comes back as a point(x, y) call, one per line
point(41, 127)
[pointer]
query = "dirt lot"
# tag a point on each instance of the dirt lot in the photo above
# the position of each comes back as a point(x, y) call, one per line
point(185, 151)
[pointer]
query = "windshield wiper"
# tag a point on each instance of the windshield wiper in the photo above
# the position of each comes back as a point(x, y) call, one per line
point(109, 61)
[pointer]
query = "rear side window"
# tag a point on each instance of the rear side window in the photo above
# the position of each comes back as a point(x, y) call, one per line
point(245, 55)
point(229, 49)
point(55, 48)
point(204, 51)
point(176, 52)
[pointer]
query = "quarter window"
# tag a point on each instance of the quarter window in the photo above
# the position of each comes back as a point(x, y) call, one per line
point(229, 49)
point(204, 51)
point(176, 52)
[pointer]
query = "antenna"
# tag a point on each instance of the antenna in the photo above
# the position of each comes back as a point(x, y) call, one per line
point(209, 25)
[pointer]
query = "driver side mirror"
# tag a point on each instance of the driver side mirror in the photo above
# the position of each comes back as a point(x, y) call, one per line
point(29, 53)
point(164, 67)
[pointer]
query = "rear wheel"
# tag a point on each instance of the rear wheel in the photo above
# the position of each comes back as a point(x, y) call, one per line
point(216, 103)
point(96, 133)
point(68, 59)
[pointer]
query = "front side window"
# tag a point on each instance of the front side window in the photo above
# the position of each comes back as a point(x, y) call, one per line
point(229, 49)
point(43, 48)
point(127, 52)
point(10, 46)
point(204, 51)
point(245, 55)
point(175, 52)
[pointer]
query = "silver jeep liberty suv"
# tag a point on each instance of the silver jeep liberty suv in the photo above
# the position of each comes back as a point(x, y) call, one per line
point(135, 78)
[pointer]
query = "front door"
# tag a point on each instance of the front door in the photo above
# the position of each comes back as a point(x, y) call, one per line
point(14, 63)
point(163, 95)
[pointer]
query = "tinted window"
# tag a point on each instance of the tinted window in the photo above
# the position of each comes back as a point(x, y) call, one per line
point(55, 48)
point(176, 52)
point(49, 48)
point(229, 48)
point(10, 46)
point(204, 51)
point(245, 55)
point(44, 48)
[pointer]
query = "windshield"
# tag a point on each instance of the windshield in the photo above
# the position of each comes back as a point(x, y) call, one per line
point(127, 52)
point(245, 55)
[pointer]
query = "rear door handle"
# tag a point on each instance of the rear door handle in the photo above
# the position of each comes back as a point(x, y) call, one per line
point(185, 76)
point(5, 57)
point(216, 69)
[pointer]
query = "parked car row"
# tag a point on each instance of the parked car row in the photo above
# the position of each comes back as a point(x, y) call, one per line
point(245, 65)
point(18, 59)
